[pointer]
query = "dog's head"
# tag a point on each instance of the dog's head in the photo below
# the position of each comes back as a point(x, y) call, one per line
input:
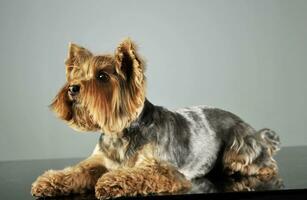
point(103, 92)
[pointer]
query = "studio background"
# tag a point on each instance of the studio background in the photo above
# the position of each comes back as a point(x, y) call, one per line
point(248, 57)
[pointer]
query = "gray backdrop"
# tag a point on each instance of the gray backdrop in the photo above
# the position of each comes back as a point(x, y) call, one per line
point(248, 57)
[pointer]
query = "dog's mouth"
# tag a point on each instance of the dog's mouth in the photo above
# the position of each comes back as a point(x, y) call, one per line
point(72, 97)
point(80, 118)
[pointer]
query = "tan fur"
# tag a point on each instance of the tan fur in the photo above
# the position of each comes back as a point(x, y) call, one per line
point(249, 154)
point(108, 107)
point(76, 179)
point(235, 162)
point(140, 174)
point(111, 108)
point(149, 178)
point(75, 116)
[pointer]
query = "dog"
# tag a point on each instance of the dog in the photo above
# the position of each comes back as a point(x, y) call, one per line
point(143, 148)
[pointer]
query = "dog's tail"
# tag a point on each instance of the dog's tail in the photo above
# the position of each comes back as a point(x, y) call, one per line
point(271, 139)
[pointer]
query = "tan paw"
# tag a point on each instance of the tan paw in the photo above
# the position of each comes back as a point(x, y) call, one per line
point(101, 193)
point(112, 185)
point(234, 166)
point(266, 173)
point(48, 185)
point(237, 166)
point(234, 162)
point(106, 191)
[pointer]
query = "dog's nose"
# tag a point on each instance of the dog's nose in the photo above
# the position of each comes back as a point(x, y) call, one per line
point(74, 89)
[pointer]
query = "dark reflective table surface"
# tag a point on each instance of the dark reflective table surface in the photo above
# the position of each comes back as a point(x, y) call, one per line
point(16, 178)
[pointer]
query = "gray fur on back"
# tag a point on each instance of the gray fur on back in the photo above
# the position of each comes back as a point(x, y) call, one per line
point(209, 128)
point(189, 138)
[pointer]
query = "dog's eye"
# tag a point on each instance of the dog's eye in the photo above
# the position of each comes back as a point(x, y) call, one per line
point(103, 76)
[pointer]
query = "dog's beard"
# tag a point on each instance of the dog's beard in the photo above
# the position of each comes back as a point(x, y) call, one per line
point(81, 119)
point(73, 112)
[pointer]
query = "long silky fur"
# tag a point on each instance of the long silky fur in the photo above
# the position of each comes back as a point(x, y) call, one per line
point(143, 145)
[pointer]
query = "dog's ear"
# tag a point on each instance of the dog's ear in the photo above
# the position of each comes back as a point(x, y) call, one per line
point(128, 62)
point(77, 55)
point(131, 67)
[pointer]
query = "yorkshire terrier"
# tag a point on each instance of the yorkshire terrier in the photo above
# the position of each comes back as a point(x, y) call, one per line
point(143, 148)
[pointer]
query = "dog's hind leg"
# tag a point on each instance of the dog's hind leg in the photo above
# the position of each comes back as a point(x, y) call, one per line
point(250, 152)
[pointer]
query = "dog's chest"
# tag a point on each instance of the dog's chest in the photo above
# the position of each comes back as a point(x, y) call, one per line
point(127, 150)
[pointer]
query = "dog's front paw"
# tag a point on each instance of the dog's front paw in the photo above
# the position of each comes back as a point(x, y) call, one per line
point(104, 191)
point(112, 187)
point(48, 185)
point(101, 193)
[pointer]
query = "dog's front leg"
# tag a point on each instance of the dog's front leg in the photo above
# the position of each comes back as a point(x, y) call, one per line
point(155, 178)
point(76, 179)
